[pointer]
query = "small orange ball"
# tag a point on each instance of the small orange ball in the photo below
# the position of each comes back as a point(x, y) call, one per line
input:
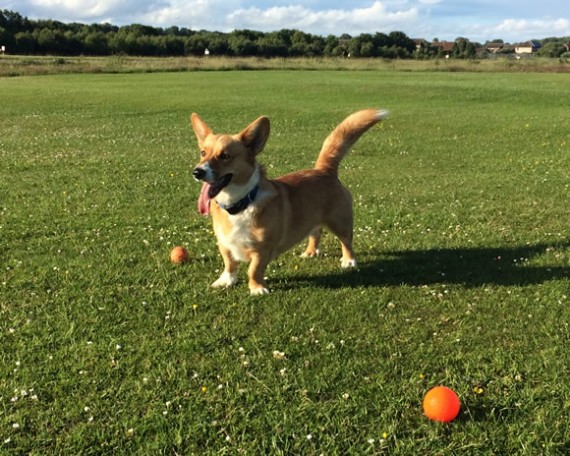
point(441, 404)
point(179, 255)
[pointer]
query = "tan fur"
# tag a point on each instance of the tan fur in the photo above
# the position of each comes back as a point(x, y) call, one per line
point(287, 209)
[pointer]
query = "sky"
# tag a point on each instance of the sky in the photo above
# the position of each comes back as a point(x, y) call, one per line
point(477, 20)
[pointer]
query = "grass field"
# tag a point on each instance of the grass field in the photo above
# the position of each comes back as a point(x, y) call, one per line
point(462, 237)
point(15, 65)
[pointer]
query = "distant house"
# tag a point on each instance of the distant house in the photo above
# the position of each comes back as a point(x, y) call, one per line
point(493, 48)
point(420, 43)
point(444, 46)
point(528, 47)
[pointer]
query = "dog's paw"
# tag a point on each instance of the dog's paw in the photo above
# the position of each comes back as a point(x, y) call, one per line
point(310, 253)
point(227, 279)
point(348, 263)
point(258, 291)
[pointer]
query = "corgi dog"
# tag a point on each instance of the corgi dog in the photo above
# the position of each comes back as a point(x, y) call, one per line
point(255, 218)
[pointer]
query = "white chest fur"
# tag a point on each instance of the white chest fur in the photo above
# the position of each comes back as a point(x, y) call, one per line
point(239, 239)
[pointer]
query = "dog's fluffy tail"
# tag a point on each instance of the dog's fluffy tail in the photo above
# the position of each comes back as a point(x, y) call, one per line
point(343, 137)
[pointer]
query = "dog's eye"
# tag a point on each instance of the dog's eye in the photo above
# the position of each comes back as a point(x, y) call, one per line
point(224, 156)
point(203, 153)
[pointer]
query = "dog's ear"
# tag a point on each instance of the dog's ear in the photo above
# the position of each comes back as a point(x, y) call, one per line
point(201, 130)
point(256, 134)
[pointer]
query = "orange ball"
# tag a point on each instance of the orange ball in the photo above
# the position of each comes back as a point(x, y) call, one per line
point(441, 404)
point(179, 255)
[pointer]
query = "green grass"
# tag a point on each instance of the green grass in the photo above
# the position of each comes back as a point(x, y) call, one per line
point(462, 238)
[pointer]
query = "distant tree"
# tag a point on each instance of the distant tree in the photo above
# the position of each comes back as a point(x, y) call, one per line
point(305, 44)
point(380, 40)
point(25, 43)
point(103, 28)
point(13, 22)
point(273, 45)
point(51, 41)
point(552, 49)
point(244, 42)
point(197, 43)
point(463, 49)
point(6, 38)
point(96, 43)
point(218, 44)
point(169, 45)
point(331, 45)
point(73, 43)
point(142, 30)
point(173, 30)
point(402, 41)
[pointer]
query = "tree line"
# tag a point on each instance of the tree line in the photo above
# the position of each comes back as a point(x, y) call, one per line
point(20, 35)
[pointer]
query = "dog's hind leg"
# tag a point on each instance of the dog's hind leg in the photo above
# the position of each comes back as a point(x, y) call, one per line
point(313, 246)
point(347, 260)
point(341, 227)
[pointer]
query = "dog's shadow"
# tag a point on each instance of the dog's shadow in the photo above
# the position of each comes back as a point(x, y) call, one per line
point(469, 267)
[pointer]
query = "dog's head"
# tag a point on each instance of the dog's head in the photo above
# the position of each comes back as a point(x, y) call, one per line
point(228, 159)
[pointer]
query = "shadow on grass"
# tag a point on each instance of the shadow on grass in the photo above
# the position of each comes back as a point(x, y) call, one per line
point(470, 267)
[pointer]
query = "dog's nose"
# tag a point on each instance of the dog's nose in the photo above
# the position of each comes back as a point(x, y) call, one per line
point(199, 173)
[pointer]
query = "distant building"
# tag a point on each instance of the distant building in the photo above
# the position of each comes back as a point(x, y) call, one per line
point(420, 43)
point(444, 46)
point(528, 47)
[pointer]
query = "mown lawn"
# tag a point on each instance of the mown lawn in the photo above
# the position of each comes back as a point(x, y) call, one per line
point(462, 236)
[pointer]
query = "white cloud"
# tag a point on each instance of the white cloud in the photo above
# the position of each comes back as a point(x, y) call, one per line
point(536, 28)
point(359, 20)
point(478, 20)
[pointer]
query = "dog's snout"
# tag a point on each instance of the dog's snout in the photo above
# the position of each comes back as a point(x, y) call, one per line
point(199, 173)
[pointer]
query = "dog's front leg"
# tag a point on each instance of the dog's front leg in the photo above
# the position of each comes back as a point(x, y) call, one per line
point(229, 276)
point(256, 273)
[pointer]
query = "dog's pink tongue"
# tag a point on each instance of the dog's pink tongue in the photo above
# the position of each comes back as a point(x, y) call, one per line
point(204, 200)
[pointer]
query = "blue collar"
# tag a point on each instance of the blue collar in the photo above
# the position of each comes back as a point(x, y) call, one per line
point(242, 204)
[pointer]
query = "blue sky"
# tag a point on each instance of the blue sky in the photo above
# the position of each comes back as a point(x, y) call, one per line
point(478, 20)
